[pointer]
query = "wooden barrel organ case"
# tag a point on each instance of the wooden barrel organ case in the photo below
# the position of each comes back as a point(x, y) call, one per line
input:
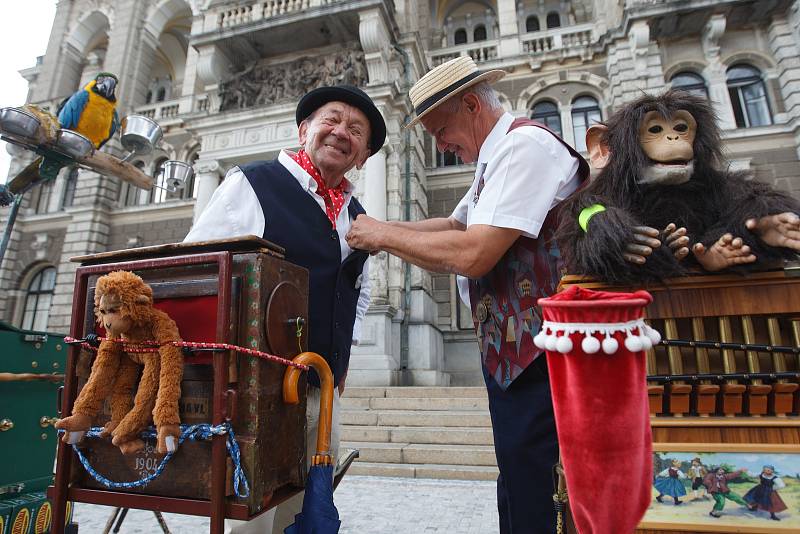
point(725, 377)
point(268, 307)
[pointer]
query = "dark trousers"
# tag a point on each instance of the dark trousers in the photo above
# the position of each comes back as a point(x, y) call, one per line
point(526, 446)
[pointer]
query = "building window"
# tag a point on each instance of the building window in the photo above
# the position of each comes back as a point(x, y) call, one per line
point(547, 113)
point(479, 33)
point(161, 95)
point(532, 24)
point(157, 194)
point(447, 159)
point(129, 193)
point(748, 96)
point(460, 37)
point(41, 200)
point(38, 298)
point(585, 112)
point(553, 20)
point(691, 83)
point(70, 185)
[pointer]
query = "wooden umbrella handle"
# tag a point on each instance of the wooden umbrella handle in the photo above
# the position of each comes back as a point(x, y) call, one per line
point(290, 396)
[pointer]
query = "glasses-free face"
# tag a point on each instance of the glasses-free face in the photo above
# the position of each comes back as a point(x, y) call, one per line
point(336, 138)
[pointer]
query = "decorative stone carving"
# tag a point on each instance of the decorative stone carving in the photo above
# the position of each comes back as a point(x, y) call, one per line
point(41, 245)
point(375, 40)
point(260, 85)
point(714, 30)
point(639, 39)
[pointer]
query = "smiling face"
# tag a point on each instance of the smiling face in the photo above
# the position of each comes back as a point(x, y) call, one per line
point(453, 132)
point(109, 315)
point(336, 138)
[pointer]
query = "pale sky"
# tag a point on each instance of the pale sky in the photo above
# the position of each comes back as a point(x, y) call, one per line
point(25, 33)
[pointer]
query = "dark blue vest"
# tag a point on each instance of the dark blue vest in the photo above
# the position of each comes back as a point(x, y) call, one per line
point(295, 221)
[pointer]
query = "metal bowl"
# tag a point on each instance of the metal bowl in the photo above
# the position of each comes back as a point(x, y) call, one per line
point(175, 174)
point(140, 134)
point(73, 144)
point(16, 122)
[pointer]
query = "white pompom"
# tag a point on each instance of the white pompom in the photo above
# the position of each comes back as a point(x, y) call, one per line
point(633, 343)
point(550, 342)
point(646, 343)
point(590, 344)
point(539, 339)
point(564, 344)
point(610, 345)
point(653, 334)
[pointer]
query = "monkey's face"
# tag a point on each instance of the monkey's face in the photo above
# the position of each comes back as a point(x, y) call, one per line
point(109, 314)
point(668, 143)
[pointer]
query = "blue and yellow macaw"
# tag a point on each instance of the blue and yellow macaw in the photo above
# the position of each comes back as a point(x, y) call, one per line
point(90, 111)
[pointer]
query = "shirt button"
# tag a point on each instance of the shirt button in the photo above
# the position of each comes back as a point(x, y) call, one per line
point(335, 236)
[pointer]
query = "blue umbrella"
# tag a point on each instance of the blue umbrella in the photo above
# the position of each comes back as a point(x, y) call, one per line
point(319, 515)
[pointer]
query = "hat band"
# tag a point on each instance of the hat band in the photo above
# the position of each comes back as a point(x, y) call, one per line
point(431, 100)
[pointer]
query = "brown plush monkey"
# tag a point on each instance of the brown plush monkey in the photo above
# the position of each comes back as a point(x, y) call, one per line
point(124, 307)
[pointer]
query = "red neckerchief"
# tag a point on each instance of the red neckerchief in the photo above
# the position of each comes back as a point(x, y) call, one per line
point(333, 196)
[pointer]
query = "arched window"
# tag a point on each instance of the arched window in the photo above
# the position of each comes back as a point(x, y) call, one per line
point(553, 20)
point(479, 33)
point(532, 24)
point(447, 159)
point(547, 113)
point(161, 95)
point(460, 37)
point(149, 98)
point(585, 112)
point(38, 298)
point(159, 195)
point(748, 96)
point(690, 82)
point(129, 193)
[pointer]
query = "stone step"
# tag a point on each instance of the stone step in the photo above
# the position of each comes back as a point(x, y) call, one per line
point(415, 403)
point(416, 392)
point(450, 472)
point(433, 418)
point(432, 435)
point(407, 453)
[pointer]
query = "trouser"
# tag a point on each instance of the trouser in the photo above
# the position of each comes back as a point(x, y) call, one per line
point(526, 446)
point(719, 500)
point(277, 519)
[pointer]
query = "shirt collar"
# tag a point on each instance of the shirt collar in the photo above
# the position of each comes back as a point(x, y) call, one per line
point(303, 178)
point(495, 136)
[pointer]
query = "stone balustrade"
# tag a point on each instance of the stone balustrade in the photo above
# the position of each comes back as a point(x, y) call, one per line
point(479, 52)
point(227, 17)
point(568, 39)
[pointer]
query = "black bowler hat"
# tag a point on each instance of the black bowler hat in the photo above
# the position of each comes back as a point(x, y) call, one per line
point(348, 94)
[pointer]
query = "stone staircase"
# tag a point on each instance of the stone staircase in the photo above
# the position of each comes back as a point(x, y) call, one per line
point(419, 432)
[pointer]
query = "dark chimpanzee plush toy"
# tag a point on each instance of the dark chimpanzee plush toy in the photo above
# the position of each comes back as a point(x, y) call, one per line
point(662, 182)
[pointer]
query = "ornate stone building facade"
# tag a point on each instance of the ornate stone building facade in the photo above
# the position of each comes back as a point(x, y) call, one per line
point(222, 78)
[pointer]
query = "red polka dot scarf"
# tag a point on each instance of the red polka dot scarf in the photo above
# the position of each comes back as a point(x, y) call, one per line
point(333, 196)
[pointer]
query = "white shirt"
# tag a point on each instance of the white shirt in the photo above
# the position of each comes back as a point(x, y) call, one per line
point(526, 172)
point(234, 210)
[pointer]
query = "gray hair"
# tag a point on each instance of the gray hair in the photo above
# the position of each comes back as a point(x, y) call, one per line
point(485, 93)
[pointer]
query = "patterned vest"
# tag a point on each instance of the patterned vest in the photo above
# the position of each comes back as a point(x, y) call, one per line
point(504, 300)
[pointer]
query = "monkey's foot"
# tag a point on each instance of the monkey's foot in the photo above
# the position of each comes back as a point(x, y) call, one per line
point(726, 252)
point(168, 436)
point(130, 447)
point(74, 427)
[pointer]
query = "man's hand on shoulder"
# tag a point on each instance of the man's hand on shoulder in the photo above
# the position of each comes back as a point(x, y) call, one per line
point(366, 233)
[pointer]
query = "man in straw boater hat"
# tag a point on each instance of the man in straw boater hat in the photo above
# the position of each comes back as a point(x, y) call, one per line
point(302, 201)
point(499, 240)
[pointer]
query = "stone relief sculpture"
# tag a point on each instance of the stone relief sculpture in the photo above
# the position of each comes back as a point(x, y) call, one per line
point(261, 85)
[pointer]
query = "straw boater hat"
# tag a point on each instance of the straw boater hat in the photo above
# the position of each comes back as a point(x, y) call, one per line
point(444, 81)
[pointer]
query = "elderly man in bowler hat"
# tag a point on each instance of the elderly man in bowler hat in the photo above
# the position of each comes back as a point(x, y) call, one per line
point(302, 202)
point(499, 240)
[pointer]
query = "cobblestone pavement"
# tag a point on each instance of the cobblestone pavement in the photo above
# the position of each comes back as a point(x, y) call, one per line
point(367, 505)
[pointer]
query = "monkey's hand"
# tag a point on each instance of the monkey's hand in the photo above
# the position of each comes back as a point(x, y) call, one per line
point(726, 252)
point(74, 427)
point(677, 240)
point(781, 230)
point(108, 429)
point(645, 240)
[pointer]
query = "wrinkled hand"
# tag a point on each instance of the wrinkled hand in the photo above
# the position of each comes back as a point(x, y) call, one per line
point(726, 252)
point(645, 240)
point(365, 234)
point(781, 230)
point(677, 240)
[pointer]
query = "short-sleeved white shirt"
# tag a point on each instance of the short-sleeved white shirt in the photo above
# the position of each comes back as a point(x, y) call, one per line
point(526, 172)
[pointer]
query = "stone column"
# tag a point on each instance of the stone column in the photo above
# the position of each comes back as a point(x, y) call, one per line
point(634, 64)
point(47, 84)
point(715, 72)
point(567, 131)
point(784, 49)
point(208, 175)
point(375, 186)
point(376, 39)
point(509, 31)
